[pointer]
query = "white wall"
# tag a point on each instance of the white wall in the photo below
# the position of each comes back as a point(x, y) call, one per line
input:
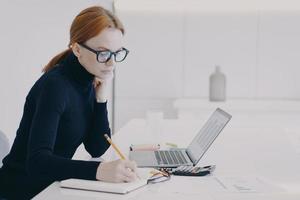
point(207, 5)
point(175, 45)
point(32, 32)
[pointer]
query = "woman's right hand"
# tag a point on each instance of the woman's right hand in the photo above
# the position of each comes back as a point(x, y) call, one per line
point(117, 171)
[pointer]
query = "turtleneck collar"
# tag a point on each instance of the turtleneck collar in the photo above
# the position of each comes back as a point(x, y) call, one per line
point(75, 70)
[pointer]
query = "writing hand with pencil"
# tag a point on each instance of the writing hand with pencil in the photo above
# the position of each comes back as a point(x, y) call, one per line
point(122, 170)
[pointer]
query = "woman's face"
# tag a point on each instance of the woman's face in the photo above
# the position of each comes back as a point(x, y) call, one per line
point(109, 39)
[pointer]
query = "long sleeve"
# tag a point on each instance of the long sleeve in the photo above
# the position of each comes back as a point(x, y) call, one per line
point(95, 143)
point(41, 160)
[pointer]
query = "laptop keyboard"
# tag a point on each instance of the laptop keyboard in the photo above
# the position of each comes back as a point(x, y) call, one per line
point(170, 157)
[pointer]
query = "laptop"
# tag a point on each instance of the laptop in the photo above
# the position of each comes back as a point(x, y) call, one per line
point(189, 156)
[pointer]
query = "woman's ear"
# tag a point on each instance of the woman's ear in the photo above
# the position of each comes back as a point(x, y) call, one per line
point(76, 49)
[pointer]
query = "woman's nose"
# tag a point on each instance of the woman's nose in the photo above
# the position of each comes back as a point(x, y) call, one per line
point(111, 61)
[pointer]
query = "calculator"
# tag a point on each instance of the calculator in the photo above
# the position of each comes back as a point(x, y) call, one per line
point(192, 171)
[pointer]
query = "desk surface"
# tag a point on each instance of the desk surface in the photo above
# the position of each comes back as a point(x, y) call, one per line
point(177, 188)
point(261, 152)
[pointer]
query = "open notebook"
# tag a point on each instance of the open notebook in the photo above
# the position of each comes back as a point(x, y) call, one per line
point(119, 188)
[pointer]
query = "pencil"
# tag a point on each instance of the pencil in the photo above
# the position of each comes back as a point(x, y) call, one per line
point(115, 147)
point(117, 150)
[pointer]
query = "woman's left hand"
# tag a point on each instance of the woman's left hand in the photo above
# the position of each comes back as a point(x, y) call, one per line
point(101, 89)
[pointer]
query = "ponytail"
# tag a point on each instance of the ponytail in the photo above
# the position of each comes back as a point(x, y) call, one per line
point(58, 58)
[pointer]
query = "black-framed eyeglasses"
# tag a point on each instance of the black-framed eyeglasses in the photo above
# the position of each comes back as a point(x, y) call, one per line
point(104, 56)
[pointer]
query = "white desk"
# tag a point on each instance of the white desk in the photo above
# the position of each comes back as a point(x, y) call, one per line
point(238, 152)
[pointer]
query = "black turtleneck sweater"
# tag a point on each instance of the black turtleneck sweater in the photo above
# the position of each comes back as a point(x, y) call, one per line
point(60, 113)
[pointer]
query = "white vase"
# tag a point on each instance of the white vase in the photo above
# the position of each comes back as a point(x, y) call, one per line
point(217, 86)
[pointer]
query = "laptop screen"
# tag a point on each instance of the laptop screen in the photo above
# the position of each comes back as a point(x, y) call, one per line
point(207, 135)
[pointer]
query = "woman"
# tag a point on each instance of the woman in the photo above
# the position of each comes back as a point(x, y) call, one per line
point(67, 107)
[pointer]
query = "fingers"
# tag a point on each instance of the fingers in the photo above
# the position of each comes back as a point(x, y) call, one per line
point(128, 176)
point(122, 178)
point(96, 82)
point(129, 170)
point(117, 171)
point(105, 76)
point(131, 165)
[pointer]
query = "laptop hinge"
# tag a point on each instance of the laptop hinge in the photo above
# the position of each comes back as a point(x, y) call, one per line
point(190, 157)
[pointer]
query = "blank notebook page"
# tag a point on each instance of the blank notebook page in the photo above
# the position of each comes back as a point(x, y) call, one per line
point(120, 188)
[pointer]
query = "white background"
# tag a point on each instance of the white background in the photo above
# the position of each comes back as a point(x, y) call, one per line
point(31, 33)
point(174, 46)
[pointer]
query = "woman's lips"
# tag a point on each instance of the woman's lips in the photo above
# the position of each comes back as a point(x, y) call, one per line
point(106, 71)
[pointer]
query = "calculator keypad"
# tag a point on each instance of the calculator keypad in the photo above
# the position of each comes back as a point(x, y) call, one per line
point(190, 171)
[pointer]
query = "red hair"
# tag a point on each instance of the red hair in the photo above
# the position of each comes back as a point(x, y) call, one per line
point(86, 25)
